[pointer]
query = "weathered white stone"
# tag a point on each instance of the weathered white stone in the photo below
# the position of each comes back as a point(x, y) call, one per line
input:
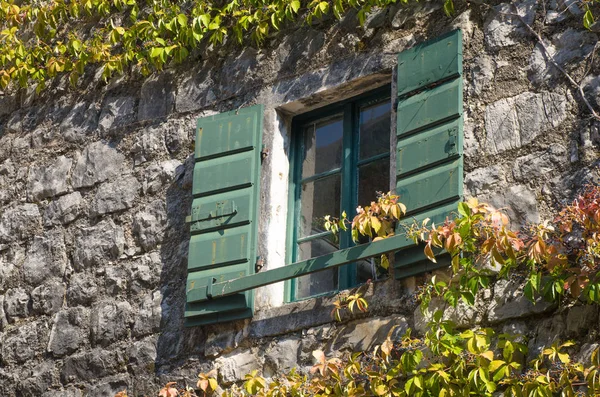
point(46, 257)
point(149, 225)
point(158, 175)
point(19, 222)
point(97, 163)
point(7, 168)
point(63, 210)
point(283, 356)
point(564, 48)
point(514, 122)
point(145, 273)
point(110, 321)
point(519, 202)
point(98, 244)
point(115, 196)
point(482, 74)
point(16, 303)
point(234, 366)
point(48, 298)
point(147, 320)
point(49, 180)
point(3, 320)
point(540, 164)
point(502, 30)
point(510, 302)
point(156, 97)
point(149, 145)
point(117, 112)
point(484, 179)
point(70, 331)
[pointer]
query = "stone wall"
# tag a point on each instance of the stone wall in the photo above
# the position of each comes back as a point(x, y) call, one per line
point(95, 185)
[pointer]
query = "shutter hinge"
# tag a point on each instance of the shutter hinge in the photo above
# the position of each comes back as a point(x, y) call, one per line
point(263, 154)
point(260, 263)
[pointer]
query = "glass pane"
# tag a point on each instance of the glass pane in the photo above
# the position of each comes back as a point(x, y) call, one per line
point(318, 198)
point(373, 177)
point(374, 130)
point(320, 282)
point(322, 146)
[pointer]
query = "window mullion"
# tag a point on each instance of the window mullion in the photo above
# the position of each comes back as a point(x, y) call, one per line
point(347, 276)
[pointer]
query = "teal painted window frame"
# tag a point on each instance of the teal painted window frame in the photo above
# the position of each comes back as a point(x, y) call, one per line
point(349, 177)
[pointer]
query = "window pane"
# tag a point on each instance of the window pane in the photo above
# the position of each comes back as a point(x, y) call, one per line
point(373, 177)
point(374, 130)
point(320, 282)
point(318, 198)
point(322, 146)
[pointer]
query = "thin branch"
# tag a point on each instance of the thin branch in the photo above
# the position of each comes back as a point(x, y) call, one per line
point(556, 65)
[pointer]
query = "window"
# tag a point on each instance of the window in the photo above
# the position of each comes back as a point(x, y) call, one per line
point(340, 159)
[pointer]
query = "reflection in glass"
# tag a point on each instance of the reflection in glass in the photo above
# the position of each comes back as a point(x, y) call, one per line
point(322, 146)
point(318, 198)
point(320, 282)
point(373, 177)
point(374, 130)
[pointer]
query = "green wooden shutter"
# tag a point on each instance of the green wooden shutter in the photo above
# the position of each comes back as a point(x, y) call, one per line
point(223, 222)
point(429, 163)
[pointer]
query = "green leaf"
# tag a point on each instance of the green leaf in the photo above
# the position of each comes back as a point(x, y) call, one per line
point(182, 20)
point(449, 7)
point(588, 19)
point(295, 5)
point(464, 210)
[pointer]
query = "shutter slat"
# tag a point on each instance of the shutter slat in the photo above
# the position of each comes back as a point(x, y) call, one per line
point(223, 219)
point(429, 62)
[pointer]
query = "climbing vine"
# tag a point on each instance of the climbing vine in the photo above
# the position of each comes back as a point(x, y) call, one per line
point(40, 40)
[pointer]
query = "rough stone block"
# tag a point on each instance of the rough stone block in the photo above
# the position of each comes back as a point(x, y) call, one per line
point(157, 98)
point(21, 344)
point(82, 290)
point(145, 274)
point(157, 175)
point(115, 196)
point(42, 377)
point(509, 302)
point(142, 356)
point(363, 335)
point(147, 320)
point(149, 145)
point(514, 122)
point(108, 387)
point(46, 257)
point(63, 210)
point(16, 303)
point(110, 321)
point(284, 354)
point(149, 225)
point(97, 163)
point(70, 331)
point(117, 112)
point(485, 179)
point(93, 364)
point(97, 244)
point(20, 222)
point(195, 90)
point(68, 392)
point(48, 297)
point(518, 201)
point(81, 120)
point(582, 319)
point(538, 165)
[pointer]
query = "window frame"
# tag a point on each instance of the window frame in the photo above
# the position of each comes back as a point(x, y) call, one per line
point(349, 108)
